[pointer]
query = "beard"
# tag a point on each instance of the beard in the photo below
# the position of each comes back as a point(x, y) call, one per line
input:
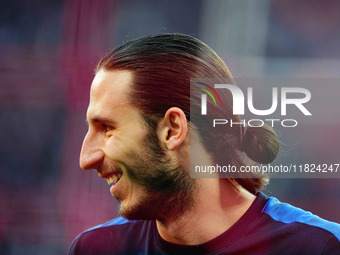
point(169, 190)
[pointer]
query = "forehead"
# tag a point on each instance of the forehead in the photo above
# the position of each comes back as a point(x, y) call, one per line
point(109, 83)
point(109, 91)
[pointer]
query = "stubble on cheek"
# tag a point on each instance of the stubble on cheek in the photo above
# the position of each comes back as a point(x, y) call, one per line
point(165, 189)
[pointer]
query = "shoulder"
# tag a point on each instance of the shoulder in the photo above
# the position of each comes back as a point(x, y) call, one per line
point(286, 213)
point(109, 237)
point(301, 228)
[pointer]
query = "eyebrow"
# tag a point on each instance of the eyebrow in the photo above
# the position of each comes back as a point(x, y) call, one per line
point(98, 119)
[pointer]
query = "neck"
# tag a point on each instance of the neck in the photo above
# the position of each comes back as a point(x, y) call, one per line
point(218, 206)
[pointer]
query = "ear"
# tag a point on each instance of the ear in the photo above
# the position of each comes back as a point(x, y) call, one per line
point(173, 128)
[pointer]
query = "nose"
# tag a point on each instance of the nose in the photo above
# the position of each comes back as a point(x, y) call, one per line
point(91, 153)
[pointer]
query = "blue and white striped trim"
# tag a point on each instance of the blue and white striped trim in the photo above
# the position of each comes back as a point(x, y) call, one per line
point(287, 213)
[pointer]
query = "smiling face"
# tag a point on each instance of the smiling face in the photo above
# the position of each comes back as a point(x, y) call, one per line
point(122, 149)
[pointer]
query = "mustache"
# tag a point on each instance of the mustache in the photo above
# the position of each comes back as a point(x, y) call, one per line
point(106, 167)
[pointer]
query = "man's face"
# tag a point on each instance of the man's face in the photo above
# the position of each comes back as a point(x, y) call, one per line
point(125, 151)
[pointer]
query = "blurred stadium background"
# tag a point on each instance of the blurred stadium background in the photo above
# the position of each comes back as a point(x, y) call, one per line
point(48, 52)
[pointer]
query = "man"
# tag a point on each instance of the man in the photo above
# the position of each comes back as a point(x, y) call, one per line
point(140, 138)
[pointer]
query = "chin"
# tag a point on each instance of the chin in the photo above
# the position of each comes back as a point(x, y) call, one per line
point(136, 212)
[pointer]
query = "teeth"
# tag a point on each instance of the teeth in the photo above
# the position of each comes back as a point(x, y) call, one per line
point(109, 180)
point(113, 179)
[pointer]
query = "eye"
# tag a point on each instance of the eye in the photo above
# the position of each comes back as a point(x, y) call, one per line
point(107, 128)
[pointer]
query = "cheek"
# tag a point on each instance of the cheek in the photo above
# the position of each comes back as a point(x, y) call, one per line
point(111, 149)
point(115, 143)
point(121, 148)
point(125, 139)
